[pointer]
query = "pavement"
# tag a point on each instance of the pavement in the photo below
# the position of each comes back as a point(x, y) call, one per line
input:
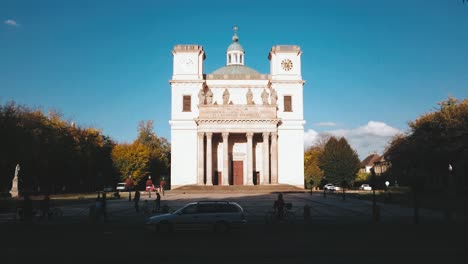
point(329, 209)
point(339, 231)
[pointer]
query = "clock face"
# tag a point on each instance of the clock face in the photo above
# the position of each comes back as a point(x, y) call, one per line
point(287, 64)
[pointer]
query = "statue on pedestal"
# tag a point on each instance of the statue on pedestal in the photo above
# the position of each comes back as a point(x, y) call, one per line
point(201, 97)
point(274, 96)
point(249, 96)
point(209, 96)
point(265, 97)
point(226, 97)
point(14, 185)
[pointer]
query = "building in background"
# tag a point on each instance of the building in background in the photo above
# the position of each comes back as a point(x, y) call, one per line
point(236, 126)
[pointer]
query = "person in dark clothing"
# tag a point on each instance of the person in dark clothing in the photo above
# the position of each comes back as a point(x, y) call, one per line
point(45, 206)
point(136, 200)
point(27, 208)
point(157, 203)
point(278, 206)
point(162, 185)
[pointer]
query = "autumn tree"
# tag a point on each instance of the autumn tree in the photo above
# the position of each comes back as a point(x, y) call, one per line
point(131, 160)
point(312, 170)
point(339, 162)
point(158, 147)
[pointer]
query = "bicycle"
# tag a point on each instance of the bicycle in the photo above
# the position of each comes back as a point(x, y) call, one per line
point(288, 216)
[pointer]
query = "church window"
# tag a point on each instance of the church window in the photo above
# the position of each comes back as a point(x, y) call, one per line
point(229, 58)
point(241, 58)
point(287, 103)
point(187, 103)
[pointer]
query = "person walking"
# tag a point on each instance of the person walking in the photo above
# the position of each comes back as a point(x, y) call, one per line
point(278, 206)
point(157, 203)
point(162, 184)
point(45, 207)
point(136, 200)
point(149, 186)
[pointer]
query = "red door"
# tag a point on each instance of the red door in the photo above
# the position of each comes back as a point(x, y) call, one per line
point(238, 172)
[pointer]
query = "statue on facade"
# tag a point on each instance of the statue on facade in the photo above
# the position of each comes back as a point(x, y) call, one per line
point(225, 97)
point(201, 97)
point(209, 96)
point(265, 97)
point(249, 97)
point(274, 96)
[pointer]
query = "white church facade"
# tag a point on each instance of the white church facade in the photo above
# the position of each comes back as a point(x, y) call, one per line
point(236, 126)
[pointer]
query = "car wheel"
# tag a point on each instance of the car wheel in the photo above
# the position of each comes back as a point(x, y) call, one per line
point(221, 227)
point(164, 227)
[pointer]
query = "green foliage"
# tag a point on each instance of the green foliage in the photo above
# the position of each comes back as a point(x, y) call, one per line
point(362, 177)
point(435, 140)
point(339, 162)
point(311, 168)
point(158, 147)
point(54, 154)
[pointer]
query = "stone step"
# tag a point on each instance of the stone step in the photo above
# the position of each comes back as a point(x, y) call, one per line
point(238, 188)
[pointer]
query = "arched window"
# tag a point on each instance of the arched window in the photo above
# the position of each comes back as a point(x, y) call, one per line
point(229, 58)
point(241, 59)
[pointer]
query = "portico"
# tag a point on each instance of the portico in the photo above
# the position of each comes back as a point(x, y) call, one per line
point(228, 158)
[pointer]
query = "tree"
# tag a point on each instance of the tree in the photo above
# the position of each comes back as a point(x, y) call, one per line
point(131, 160)
point(339, 162)
point(311, 168)
point(434, 140)
point(158, 147)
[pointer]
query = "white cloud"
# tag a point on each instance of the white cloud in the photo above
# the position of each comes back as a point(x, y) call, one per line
point(12, 23)
point(366, 139)
point(325, 124)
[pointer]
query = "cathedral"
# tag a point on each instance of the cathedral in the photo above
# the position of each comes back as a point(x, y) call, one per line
point(236, 126)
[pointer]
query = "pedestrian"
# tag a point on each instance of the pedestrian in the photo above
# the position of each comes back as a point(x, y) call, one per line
point(162, 184)
point(157, 203)
point(27, 209)
point(136, 200)
point(45, 206)
point(149, 186)
point(98, 210)
point(278, 206)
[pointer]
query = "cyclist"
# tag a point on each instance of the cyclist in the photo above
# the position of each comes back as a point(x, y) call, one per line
point(278, 207)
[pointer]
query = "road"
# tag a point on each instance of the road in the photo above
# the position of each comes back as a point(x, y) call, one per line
point(256, 243)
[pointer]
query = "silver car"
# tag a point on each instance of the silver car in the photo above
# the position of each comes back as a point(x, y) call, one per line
point(210, 215)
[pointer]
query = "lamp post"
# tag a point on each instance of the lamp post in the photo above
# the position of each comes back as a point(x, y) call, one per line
point(389, 195)
point(449, 192)
point(374, 204)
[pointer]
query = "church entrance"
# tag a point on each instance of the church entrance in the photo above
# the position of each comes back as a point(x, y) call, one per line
point(238, 172)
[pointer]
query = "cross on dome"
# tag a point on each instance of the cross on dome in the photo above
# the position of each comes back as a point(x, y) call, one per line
point(235, 52)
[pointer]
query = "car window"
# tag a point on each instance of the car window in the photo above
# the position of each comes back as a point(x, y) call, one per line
point(207, 208)
point(190, 209)
point(228, 208)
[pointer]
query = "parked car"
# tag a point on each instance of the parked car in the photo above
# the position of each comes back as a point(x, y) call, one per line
point(121, 187)
point(219, 216)
point(365, 187)
point(329, 187)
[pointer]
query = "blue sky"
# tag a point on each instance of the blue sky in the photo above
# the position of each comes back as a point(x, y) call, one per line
point(370, 66)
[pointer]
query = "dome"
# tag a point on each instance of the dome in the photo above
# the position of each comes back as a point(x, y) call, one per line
point(235, 46)
point(235, 70)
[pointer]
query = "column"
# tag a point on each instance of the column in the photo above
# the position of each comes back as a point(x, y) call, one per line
point(266, 159)
point(249, 159)
point(274, 157)
point(209, 159)
point(201, 155)
point(225, 180)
